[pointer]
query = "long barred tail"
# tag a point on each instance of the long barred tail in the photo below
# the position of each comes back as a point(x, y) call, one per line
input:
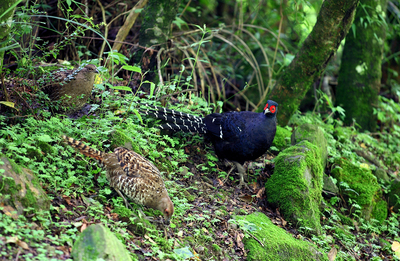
point(176, 120)
point(84, 149)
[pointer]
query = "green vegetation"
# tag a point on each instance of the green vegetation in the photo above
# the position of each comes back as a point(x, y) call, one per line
point(206, 69)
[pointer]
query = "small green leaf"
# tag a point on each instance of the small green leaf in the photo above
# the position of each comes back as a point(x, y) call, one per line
point(138, 115)
point(152, 87)
point(132, 68)
point(121, 88)
point(45, 138)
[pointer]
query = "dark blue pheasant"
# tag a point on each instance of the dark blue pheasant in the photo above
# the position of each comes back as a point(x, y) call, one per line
point(237, 136)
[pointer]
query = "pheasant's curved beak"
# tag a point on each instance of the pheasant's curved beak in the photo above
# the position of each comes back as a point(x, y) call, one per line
point(166, 221)
point(267, 111)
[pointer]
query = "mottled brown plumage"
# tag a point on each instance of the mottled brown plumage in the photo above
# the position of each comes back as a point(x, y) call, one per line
point(73, 87)
point(132, 174)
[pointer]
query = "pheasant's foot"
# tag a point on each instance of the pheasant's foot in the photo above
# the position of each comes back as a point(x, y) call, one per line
point(127, 205)
point(242, 173)
point(150, 219)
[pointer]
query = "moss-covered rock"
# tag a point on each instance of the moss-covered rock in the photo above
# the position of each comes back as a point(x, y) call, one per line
point(314, 135)
point(282, 138)
point(296, 185)
point(21, 188)
point(98, 243)
point(380, 173)
point(119, 138)
point(329, 185)
point(274, 242)
point(364, 188)
point(394, 195)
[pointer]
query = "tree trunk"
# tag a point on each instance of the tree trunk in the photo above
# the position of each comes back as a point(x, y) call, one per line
point(333, 23)
point(360, 72)
point(5, 25)
point(155, 29)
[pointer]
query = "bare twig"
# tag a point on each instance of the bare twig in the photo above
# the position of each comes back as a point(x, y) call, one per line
point(159, 66)
point(255, 238)
point(103, 13)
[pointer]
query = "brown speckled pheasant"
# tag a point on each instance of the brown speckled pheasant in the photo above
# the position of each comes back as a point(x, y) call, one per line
point(73, 87)
point(132, 174)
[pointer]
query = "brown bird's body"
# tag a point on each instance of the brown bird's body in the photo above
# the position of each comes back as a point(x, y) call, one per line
point(132, 174)
point(73, 87)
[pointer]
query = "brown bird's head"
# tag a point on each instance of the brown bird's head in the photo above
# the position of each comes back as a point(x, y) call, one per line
point(86, 74)
point(167, 208)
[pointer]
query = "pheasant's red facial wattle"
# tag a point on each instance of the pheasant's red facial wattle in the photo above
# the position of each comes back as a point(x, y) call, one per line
point(266, 106)
point(272, 109)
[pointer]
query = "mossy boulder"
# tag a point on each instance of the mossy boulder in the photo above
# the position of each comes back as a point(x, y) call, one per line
point(314, 135)
point(282, 138)
point(296, 185)
point(98, 243)
point(364, 188)
point(21, 188)
point(394, 195)
point(274, 243)
point(329, 185)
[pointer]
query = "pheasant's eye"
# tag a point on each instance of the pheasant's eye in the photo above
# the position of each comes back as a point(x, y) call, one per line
point(266, 106)
point(273, 109)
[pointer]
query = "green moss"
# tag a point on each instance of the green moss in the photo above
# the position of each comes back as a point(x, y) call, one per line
point(216, 248)
point(10, 187)
point(97, 242)
point(29, 199)
point(15, 166)
point(119, 138)
point(282, 138)
point(315, 136)
point(364, 188)
point(379, 212)
point(359, 179)
point(345, 220)
point(274, 243)
point(393, 195)
point(296, 185)
point(45, 147)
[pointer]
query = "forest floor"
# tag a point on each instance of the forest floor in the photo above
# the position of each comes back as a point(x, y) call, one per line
point(203, 189)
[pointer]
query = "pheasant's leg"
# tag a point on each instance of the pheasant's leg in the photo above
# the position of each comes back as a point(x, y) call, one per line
point(228, 163)
point(242, 173)
point(126, 201)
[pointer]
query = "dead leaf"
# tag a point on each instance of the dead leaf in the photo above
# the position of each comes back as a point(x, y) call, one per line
point(332, 253)
point(18, 242)
point(396, 248)
point(148, 238)
point(10, 211)
point(22, 244)
point(196, 256)
point(362, 145)
point(220, 182)
point(67, 199)
point(239, 242)
point(260, 192)
point(246, 198)
point(283, 222)
point(11, 240)
point(83, 227)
